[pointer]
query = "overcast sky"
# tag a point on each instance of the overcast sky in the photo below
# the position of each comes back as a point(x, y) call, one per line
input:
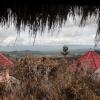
point(70, 33)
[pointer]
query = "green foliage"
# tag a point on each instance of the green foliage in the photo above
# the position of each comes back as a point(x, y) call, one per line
point(65, 51)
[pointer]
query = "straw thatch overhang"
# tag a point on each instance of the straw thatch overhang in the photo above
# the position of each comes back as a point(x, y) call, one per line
point(36, 15)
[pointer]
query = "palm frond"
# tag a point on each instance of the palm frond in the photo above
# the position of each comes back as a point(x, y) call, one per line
point(37, 16)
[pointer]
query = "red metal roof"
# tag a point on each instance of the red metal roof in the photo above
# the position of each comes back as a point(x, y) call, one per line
point(91, 58)
point(4, 61)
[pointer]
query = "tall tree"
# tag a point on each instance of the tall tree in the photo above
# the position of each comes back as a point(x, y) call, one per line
point(65, 51)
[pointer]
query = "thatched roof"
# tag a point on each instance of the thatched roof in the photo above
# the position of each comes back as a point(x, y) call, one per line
point(36, 16)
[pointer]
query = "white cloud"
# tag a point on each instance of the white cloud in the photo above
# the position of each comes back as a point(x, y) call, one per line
point(70, 33)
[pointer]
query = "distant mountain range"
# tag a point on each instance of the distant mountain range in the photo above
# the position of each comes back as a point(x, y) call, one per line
point(39, 50)
point(45, 47)
point(45, 50)
point(29, 52)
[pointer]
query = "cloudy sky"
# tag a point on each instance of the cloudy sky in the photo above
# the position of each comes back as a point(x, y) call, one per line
point(70, 33)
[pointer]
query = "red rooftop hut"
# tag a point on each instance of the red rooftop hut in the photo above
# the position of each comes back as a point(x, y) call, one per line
point(89, 60)
point(5, 64)
point(92, 59)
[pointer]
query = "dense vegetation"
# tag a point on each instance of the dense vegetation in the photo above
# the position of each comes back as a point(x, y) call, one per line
point(48, 78)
